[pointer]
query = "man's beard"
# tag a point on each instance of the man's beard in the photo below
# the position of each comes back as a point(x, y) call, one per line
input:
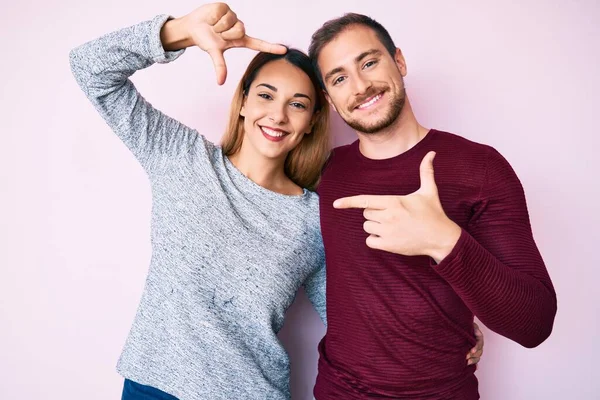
point(396, 106)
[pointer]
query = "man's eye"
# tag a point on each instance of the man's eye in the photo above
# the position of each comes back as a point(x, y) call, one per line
point(339, 80)
point(370, 64)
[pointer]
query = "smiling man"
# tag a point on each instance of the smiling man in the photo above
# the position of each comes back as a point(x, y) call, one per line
point(413, 256)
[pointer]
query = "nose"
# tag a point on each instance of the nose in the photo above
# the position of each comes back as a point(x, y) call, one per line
point(278, 114)
point(360, 85)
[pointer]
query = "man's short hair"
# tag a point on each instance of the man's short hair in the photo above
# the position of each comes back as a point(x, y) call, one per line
point(332, 28)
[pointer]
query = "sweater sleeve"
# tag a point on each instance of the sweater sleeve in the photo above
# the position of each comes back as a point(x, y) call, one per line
point(102, 69)
point(315, 290)
point(496, 268)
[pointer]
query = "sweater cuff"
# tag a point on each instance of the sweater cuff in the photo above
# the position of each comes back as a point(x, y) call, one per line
point(455, 266)
point(157, 52)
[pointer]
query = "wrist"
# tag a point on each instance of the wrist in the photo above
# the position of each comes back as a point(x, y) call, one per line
point(174, 35)
point(449, 233)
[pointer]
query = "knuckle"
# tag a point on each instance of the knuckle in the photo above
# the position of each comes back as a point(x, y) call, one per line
point(218, 11)
point(362, 202)
point(223, 7)
point(239, 30)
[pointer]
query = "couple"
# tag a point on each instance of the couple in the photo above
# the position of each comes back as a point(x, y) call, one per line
point(238, 228)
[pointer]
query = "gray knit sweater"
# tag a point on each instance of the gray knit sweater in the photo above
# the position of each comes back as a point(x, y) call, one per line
point(227, 254)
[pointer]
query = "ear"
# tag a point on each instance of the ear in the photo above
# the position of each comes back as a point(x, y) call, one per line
point(329, 100)
point(243, 109)
point(400, 62)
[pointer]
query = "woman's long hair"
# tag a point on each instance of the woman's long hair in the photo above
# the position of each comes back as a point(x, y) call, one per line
point(304, 163)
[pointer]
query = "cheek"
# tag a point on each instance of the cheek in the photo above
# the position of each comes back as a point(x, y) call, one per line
point(254, 107)
point(254, 112)
point(339, 101)
point(301, 122)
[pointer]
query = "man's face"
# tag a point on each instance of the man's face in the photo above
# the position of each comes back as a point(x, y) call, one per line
point(363, 82)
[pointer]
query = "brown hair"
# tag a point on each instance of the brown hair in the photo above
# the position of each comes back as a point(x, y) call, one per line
point(332, 28)
point(305, 162)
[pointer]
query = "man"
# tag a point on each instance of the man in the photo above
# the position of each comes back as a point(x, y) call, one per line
point(412, 257)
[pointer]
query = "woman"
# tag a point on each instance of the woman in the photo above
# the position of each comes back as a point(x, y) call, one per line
point(235, 229)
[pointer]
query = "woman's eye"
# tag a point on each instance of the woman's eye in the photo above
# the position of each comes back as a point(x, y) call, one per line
point(298, 105)
point(265, 96)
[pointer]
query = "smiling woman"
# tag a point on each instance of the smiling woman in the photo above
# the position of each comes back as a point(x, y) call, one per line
point(279, 99)
point(235, 228)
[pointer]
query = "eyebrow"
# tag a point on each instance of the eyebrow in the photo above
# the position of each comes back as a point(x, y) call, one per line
point(273, 88)
point(357, 59)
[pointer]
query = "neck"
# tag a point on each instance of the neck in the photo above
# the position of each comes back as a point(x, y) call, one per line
point(266, 172)
point(394, 140)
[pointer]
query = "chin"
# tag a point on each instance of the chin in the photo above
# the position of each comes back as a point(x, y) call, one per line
point(272, 155)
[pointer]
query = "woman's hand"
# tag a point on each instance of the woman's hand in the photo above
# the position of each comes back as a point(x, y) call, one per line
point(214, 28)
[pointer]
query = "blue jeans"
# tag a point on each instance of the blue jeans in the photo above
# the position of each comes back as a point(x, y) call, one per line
point(135, 391)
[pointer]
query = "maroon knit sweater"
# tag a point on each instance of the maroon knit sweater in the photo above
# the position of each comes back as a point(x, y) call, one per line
point(400, 327)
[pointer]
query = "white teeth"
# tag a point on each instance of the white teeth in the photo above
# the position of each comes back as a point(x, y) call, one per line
point(272, 133)
point(370, 102)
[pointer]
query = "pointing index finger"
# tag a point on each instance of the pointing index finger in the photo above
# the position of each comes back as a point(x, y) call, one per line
point(261, 45)
point(363, 201)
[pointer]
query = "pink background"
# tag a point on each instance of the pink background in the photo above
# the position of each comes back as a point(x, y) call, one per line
point(74, 210)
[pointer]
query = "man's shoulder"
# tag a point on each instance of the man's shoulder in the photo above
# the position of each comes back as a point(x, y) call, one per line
point(459, 142)
point(478, 158)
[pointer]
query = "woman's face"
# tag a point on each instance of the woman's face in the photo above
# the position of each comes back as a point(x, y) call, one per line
point(278, 109)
